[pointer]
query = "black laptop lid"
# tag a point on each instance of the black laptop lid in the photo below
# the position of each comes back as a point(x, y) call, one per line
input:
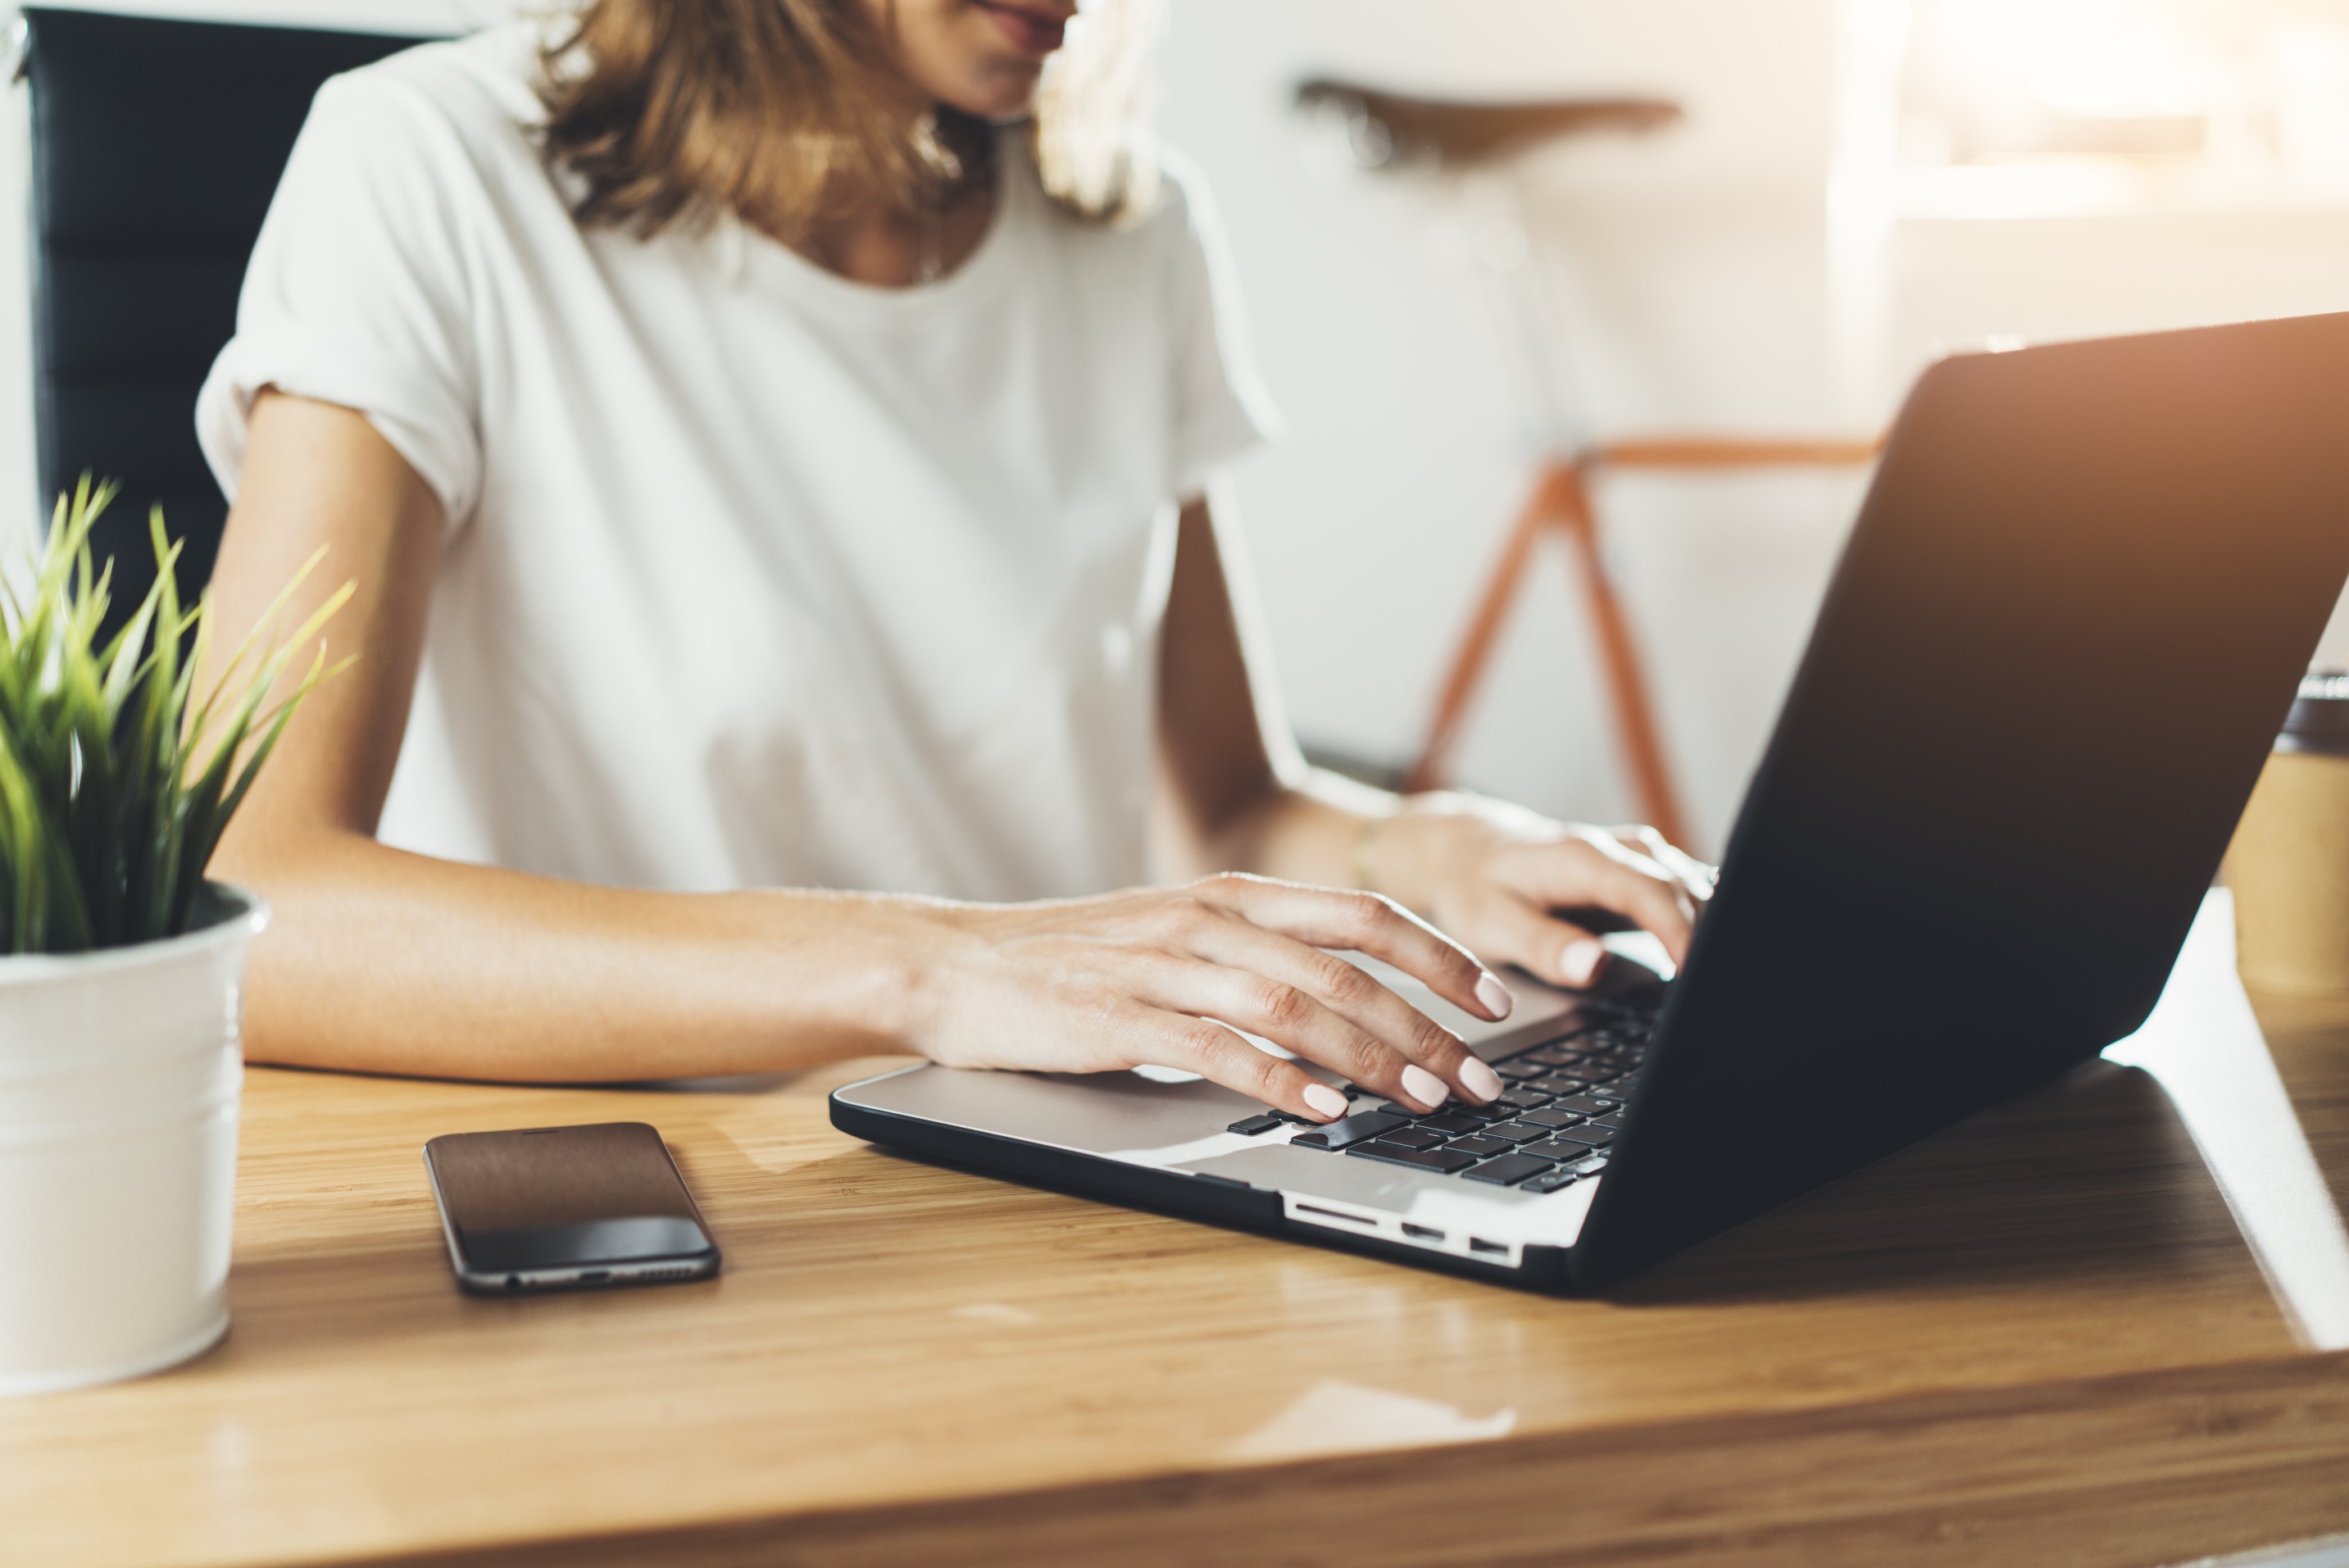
point(2064, 633)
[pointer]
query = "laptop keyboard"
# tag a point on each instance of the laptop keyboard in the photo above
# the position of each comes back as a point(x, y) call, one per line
point(1550, 1128)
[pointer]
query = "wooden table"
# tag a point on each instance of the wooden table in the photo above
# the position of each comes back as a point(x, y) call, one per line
point(2053, 1335)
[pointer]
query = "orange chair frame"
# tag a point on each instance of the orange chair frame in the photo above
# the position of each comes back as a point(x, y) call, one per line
point(1561, 503)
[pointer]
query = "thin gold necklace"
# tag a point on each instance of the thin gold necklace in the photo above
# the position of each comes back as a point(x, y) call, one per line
point(930, 262)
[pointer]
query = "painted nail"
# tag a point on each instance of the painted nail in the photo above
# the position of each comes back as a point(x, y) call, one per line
point(1482, 1083)
point(1494, 996)
point(1325, 1099)
point(1579, 963)
point(1425, 1086)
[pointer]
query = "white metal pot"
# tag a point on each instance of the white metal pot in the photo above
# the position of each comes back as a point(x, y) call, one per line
point(120, 1072)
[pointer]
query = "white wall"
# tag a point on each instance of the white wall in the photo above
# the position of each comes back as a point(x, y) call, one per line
point(1750, 272)
point(1690, 270)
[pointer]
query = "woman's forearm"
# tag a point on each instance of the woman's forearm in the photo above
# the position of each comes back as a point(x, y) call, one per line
point(381, 961)
point(1302, 829)
point(1322, 828)
point(390, 962)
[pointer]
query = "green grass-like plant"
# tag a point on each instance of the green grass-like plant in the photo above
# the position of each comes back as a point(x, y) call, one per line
point(113, 788)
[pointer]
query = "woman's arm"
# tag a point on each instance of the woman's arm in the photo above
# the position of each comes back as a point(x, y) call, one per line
point(1238, 794)
point(388, 962)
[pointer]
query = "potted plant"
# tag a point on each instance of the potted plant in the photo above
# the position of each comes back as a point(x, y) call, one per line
point(122, 968)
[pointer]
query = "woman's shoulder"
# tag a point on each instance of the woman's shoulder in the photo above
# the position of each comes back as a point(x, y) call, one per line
point(475, 98)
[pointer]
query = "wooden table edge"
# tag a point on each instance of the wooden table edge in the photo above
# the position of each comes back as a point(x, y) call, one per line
point(2140, 1470)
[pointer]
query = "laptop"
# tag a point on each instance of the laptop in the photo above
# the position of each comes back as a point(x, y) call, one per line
point(2084, 583)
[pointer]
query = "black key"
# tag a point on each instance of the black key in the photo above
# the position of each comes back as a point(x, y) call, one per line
point(1416, 1138)
point(1606, 1124)
point(1518, 1132)
point(1520, 1070)
point(1552, 1056)
point(1560, 1084)
point(1523, 1099)
point(1481, 1113)
point(1562, 1148)
point(1550, 1117)
point(1588, 1105)
point(1255, 1125)
point(1479, 1145)
point(1551, 1180)
point(1444, 1159)
point(1591, 1167)
point(1451, 1124)
point(1508, 1170)
point(1347, 1131)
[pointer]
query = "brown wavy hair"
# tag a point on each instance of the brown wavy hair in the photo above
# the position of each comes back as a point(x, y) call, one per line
point(672, 111)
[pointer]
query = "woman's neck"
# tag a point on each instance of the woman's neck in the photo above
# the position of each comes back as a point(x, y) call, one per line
point(870, 240)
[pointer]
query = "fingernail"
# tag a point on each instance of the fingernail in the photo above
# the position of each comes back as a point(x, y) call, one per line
point(1494, 996)
point(1325, 1099)
point(1425, 1086)
point(1482, 1083)
point(1579, 963)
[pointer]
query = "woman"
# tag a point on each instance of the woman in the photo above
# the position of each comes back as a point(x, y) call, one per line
point(775, 485)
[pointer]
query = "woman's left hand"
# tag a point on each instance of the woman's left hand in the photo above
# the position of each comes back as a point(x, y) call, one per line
point(1496, 877)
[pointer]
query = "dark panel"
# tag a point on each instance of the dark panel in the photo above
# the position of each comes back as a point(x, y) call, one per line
point(156, 147)
point(118, 426)
point(148, 129)
point(139, 311)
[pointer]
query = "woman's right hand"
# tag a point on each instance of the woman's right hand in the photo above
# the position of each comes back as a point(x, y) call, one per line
point(1164, 977)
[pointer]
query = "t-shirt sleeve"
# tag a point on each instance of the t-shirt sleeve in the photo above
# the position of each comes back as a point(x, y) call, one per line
point(358, 292)
point(1221, 408)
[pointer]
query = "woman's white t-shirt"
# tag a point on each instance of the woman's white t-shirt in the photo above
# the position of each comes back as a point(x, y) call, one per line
point(752, 576)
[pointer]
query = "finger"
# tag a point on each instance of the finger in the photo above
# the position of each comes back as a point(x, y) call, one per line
point(1365, 923)
point(1288, 1015)
point(1392, 1048)
point(1694, 875)
point(1592, 870)
point(1560, 951)
point(1203, 1046)
point(1643, 891)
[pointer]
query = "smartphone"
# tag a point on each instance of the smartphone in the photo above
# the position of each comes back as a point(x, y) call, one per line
point(540, 1209)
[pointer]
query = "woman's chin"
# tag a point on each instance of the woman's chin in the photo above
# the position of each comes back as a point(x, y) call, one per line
point(1001, 92)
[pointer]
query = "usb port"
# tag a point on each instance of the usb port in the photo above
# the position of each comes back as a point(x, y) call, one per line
point(1494, 1248)
point(1421, 1233)
point(594, 1276)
